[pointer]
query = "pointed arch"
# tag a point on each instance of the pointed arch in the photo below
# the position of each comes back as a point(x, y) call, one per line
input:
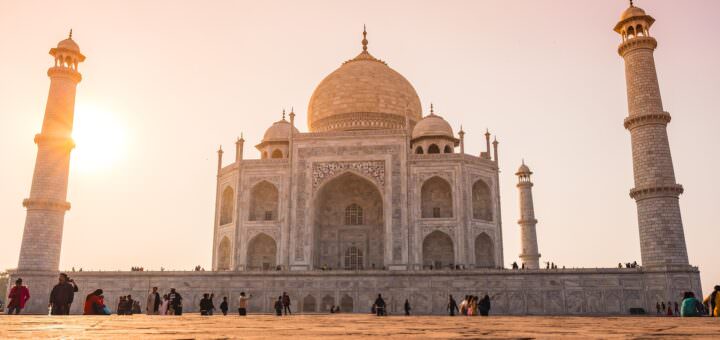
point(227, 205)
point(448, 149)
point(438, 250)
point(327, 302)
point(433, 148)
point(346, 304)
point(484, 251)
point(481, 201)
point(308, 305)
point(263, 202)
point(436, 198)
point(223, 254)
point(419, 150)
point(261, 253)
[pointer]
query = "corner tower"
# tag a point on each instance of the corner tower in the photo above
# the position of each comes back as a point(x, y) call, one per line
point(46, 206)
point(662, 239)
point(528, 236)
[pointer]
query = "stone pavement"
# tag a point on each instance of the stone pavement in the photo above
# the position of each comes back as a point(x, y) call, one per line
point(346, 326)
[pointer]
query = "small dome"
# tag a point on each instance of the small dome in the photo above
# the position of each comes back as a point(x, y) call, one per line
point(523, 170)
point(432, 126)
point(632, 11)
point(69, 44)
point(279, 131)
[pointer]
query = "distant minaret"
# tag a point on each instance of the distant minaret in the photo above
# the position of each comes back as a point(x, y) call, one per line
point(528, 237)
point(42, 238)
point(662, 240)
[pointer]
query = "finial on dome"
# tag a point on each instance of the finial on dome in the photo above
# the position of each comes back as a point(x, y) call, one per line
point(283, 114)
point(70, 35)
point(432, 109)
point(631, 3)
point(487, 132)
point(364, 41)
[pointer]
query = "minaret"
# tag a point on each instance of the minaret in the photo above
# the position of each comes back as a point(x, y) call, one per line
point(46, 206)
point(662, 240)
point(528, 237)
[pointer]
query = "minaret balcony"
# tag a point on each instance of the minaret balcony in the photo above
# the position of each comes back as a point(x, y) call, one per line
point(634, 121)
point(637, 43)
point(642, 193)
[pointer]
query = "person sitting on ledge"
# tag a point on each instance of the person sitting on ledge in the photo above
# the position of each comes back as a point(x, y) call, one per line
point(95, 304)
point(691, 306)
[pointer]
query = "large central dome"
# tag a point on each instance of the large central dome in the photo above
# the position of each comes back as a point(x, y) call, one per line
point(363, 94)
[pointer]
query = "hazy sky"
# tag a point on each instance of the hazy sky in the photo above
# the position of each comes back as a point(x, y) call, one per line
point(166, 82)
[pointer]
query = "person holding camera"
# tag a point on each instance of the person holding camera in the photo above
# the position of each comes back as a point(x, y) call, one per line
point(62, 295)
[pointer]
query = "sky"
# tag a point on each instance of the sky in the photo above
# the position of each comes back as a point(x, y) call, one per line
point(166, 82)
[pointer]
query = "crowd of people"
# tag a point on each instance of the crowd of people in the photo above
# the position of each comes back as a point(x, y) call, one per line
point(63, 293)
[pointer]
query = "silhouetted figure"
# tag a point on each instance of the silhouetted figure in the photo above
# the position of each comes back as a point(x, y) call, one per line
point(659, 309)
point(484, 305)
point(224, 305)
point(514, 265)
point(279, 306)
point(380, 306)
point(452, 306)
point(205, 304)
point(175, 302)
point(286, 303)
point(407, 307)
point(62, 295)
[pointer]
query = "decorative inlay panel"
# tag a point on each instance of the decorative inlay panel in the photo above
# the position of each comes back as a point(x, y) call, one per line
point(324, 170)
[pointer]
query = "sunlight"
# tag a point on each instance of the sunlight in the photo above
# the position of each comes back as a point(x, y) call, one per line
point(100, 139)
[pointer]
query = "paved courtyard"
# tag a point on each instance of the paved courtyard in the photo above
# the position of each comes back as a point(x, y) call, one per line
point(345, 326)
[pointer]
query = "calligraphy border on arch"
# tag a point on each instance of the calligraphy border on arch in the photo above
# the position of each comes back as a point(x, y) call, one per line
point(375, 170)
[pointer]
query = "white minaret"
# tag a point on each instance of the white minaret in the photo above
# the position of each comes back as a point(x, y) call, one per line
point(662, 239)
point(528, 236)
point(46, 206)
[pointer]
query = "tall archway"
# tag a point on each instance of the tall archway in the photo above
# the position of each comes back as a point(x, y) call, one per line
point(263, 202)
point(484, 251)
point(226, 205)
point(262, 253)
point(308, 305)
point(481, 201)
point(364, 234)
point(223, 254)
point(436, 198)
point(326, 303)
point(438, 251)
point(346, 304)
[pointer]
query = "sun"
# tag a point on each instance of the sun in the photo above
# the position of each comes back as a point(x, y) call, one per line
point(100, 139)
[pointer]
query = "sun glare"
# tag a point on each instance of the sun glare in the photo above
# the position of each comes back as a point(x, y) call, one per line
point(100, 139)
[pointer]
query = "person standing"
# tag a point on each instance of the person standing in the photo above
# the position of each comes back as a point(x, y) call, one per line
point(713, 302)
point(62, 295)
point(380, 306)
point(152, 305)
point(18, 296)
point(407, 307)
point(130, 305)
point(279, 306)
point(452, 306)
point(175, 302)
point(484, 305)
point(205, 304)
point(657, 306)
point(242, 304)
point(224, 305)
point(164, 306)
point(286, 303)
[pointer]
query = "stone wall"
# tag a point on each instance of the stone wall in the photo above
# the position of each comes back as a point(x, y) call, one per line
point(543, 292)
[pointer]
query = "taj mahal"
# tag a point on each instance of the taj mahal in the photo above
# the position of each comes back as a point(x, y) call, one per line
point(379, 196)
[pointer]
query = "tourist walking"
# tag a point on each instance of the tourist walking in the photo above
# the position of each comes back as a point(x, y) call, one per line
point(691, 306)
point(484, 305)
point(121, 306)
point(18, 296)
point(62, 295)
point(224, 305)
point(95, 304)
point(205, 304)
point(129, 305)
point(713, 302)
point(659, 309)
point(152, 304)
point(452, 306)
point(407, 307)
point(243, 303)
point(164, 306)
point(669, 309)
point(380, 306)
point(175, 302)
point(286, 303)
point(279, 306)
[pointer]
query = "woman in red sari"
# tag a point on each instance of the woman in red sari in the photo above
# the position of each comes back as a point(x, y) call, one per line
point(95, 303)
